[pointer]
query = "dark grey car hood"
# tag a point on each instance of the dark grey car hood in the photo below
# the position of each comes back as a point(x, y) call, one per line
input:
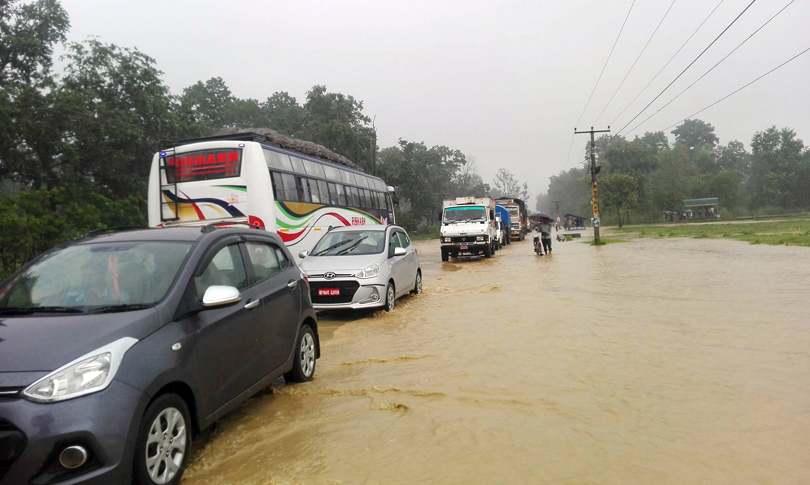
point(45, 343)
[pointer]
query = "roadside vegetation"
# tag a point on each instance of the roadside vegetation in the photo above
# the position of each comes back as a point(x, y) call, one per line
point(794, 232)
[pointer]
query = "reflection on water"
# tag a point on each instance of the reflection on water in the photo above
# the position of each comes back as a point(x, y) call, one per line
point(656, 361)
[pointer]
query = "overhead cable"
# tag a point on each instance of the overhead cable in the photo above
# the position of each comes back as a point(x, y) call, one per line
point(687, 67)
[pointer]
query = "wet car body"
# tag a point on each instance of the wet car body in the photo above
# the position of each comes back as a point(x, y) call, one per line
point(212, 358)
point(398, 266)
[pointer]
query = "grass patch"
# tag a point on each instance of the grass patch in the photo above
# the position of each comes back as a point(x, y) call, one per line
point(794, 232)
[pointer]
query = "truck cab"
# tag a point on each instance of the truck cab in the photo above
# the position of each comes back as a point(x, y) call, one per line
point(468, 226)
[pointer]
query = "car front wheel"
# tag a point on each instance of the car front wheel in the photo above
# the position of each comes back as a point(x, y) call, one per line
point(417, 286)
point(390, 297)
point(305, 353)
point(164, 441)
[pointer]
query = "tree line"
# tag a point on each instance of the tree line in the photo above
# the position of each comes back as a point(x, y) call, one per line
point(642, 177)
point(76, 146)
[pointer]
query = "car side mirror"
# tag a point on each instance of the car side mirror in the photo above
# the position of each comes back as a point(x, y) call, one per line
point(400, 252)
point(217, 295)
point(303, 254)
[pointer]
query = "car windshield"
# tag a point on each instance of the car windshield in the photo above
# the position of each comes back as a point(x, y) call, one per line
point(96, 277)
point(458, 214)
point(350, 243)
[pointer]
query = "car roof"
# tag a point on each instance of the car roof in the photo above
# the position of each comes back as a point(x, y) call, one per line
point(169, 234)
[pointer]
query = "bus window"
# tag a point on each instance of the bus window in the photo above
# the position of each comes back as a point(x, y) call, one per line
point(332, 173)
point(323, 192)
point(314, 169)
point(380, 200)
point(278, 185)
point(290, 188)
point(363, 198)
point(297, 164)
point(342, 195)
point(314, 191)
point(361, 180)
point(277, 160)
point(333, 197)
point(369, 200)
point(355, 196)
point(303, 189)
point(347, 177)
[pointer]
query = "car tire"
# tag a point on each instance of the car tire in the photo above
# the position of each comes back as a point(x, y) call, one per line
point(445, 256)
point(390, 297)
point(417, 285)
point(164, 439)
point(304, 357)
point(488, 251)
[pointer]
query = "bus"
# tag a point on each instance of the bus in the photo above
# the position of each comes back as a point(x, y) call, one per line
point(243, 178)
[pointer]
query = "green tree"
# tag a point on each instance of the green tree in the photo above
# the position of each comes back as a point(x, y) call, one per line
point(337, 122)
point(210, 104)
point(779, 169)
point(506, 185)
point(696, 136)
point(618, 192)
point(30, 30)
point(670, 183)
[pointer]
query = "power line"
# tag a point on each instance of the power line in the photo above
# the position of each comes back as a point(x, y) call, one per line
point(634, 62)
point(606, 63)
point(665, 65)
point(687, 67)
point(710, 70)
point(738, 90)
point(568, 158)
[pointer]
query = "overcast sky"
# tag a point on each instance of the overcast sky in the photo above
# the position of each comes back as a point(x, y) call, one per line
point(503, 81)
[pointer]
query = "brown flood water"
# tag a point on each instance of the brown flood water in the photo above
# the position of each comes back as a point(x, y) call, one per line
point(654, 361)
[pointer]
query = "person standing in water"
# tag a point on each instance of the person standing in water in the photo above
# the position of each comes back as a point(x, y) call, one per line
point(545, 235)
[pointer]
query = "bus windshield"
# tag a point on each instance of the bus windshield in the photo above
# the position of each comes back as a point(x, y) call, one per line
point(464, 214)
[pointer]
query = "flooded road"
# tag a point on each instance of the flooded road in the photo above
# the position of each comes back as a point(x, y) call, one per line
point(653, 361)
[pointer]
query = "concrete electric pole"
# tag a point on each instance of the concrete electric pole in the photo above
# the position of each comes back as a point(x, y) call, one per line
point(594, 171)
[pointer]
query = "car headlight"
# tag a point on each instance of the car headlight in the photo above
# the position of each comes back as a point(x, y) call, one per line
point(370, 272)
point(447, 239)
point(90, 373)
point(479, 238)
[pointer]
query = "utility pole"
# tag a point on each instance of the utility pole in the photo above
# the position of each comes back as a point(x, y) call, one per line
point(557, 206)
point(594, 171)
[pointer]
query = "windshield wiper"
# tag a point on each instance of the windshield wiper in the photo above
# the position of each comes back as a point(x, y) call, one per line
point(346, 250)
point(38, 309)
point(334, 246)
point(119, 308)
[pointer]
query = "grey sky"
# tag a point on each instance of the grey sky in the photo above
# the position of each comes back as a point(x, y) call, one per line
point(504, 81)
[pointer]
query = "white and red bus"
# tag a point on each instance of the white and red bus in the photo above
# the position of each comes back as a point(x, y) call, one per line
point(244, 178)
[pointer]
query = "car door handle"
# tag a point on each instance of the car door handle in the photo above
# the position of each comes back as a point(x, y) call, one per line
point(292, 284)
point(251, 305)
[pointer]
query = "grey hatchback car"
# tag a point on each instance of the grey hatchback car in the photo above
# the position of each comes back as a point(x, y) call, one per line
point(117, 348)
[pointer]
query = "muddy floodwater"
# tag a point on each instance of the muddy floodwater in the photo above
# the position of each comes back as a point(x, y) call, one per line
point(652, 361)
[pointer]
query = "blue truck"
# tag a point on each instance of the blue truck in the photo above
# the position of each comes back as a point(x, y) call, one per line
point(502, 214)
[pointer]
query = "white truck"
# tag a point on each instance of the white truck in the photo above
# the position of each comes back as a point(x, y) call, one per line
point(468, 226)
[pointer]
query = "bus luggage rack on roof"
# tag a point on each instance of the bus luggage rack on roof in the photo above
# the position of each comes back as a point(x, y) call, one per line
point(219, 225)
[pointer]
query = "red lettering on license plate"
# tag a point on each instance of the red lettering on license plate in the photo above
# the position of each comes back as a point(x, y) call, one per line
point(329, 292)
point(463, 247)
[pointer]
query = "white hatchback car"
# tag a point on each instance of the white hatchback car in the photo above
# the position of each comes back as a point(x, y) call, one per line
point(359, 267)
